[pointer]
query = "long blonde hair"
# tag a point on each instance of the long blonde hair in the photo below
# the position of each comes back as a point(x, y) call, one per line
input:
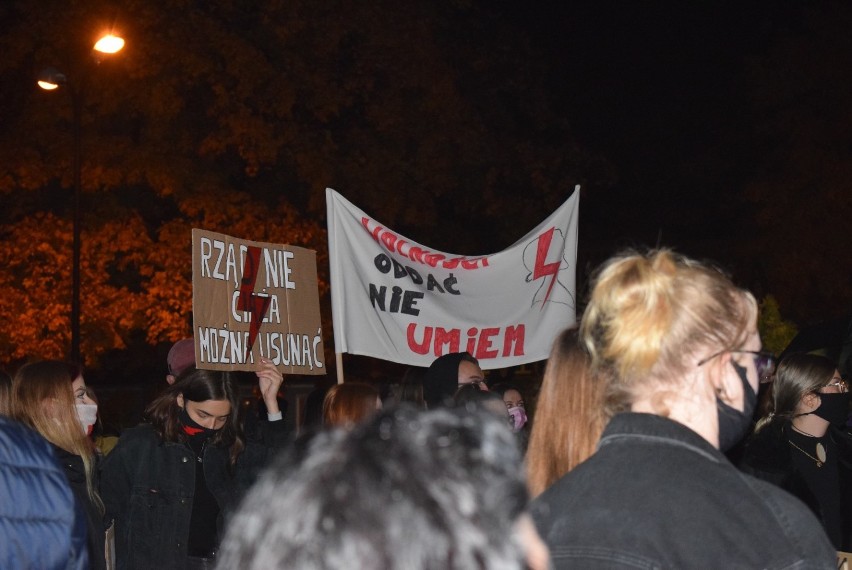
point(44, 400)
point(649, 314)
point(569, 415)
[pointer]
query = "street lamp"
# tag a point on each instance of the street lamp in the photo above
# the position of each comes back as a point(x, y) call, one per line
point(49, 80)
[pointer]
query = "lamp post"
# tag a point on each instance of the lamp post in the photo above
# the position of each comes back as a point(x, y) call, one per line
point(49, 80)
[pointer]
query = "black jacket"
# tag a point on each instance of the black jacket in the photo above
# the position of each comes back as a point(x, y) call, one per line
point(76, 474)
point(148, 485)
point(658, 495)
point(768, 456)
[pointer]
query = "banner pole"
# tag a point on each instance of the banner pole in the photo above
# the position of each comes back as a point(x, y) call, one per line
point(339, 358)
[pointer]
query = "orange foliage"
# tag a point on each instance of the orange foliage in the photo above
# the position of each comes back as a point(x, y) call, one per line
point(129, 281)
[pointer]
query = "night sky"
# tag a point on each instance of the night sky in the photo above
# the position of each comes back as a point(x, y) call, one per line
point(698, 104)
point(654, 87)
point(720, 129)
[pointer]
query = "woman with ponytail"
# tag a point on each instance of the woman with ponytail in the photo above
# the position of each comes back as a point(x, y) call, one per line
point(674, 350)
point(50, 397)
point(171, 483)
point(802, 445)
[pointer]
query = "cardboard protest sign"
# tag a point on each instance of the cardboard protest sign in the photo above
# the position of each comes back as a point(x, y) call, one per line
point(395, 299)
point(251, 300)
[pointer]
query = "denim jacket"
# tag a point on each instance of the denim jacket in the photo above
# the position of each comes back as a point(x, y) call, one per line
point(147, 486)
point(658, 495)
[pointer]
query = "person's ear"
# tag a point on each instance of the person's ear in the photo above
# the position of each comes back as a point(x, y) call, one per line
point(810, 402)
point(179, 400)
point(722, 376)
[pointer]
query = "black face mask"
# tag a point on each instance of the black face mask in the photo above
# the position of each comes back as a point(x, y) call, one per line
point(192, 429)
point(733, 424)
point(833, 408)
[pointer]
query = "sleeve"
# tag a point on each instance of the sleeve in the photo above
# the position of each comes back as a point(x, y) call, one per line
point(116, 485)
point(270, 438)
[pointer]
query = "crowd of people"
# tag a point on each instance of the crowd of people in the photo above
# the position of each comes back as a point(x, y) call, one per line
point(626, 460)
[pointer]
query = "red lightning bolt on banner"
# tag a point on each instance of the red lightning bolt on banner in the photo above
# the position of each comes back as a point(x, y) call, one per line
point(248, 300)
point(541, 268)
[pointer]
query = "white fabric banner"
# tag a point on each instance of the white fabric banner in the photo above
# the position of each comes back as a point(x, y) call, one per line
point(397, 300)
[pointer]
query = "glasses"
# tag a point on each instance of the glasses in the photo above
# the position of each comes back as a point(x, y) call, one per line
point(764, 362)
point(838, 383)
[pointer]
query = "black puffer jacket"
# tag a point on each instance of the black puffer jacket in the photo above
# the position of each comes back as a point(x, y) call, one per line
point(768, 456)
point(148, 486)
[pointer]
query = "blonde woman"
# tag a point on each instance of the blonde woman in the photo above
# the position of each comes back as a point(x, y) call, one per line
point(50, 397)
point(675, 347)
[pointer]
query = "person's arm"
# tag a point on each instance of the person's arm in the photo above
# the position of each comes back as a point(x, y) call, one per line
point(270, 379)
point(115, 490)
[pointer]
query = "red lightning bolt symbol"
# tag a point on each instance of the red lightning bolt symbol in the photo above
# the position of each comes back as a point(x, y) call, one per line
point(541, 268)
point(248, 301)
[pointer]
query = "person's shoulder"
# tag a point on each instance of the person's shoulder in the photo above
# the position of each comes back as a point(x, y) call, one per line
point(23, 446)
point(789, 512)
point(143, 430)
point(843, 438)
point(766, 450)
point(560, 497)
point(141, 435)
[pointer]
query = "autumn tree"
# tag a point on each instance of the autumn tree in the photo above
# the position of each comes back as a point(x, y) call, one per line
point(235, 116)
point(775, 332)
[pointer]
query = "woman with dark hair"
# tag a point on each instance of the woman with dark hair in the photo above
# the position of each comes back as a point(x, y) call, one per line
point(406, 490)
point(802, 446)
point(516, 407)
point(470, 396)
point(348, 404)
point(410, 388)
point(50, 397)
point(170, 484)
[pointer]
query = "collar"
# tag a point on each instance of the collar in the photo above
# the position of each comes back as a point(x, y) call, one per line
point(635, 428)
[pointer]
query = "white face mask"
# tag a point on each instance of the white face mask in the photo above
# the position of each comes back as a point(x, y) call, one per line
point(87, 415)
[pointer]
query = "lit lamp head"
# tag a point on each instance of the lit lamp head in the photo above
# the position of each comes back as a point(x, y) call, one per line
point(109, 44)
point(50, 78)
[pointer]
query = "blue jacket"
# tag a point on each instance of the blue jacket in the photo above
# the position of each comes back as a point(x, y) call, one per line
point(658, 495)
point(40, 524)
